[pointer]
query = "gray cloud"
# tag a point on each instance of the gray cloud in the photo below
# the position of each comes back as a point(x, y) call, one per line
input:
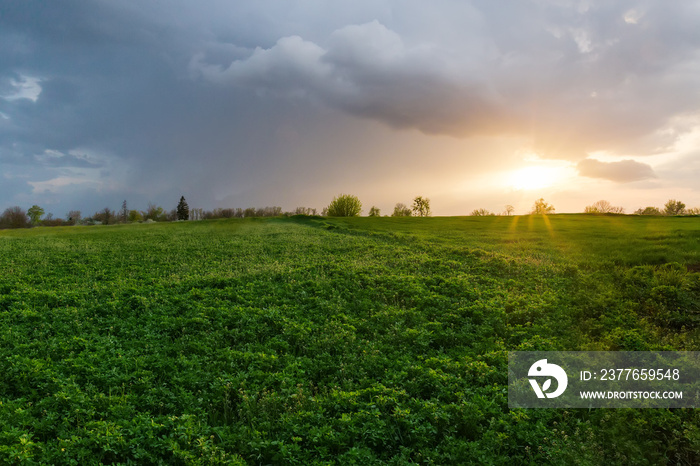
point(148, 100)
point(577, 77)
point(369, 71)
point(624, 171)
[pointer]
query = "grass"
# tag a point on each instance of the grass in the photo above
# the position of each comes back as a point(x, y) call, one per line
point(334, 341)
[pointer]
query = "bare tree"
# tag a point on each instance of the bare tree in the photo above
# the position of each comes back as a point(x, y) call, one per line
point(73, 217)
point(106, 216)
point(481, 213)
point(603, 207)
point(14, 217)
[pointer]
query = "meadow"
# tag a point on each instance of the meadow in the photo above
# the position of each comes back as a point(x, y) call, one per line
point(335, 341)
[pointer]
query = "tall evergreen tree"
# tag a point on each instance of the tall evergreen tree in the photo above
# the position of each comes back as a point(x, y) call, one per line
point(125, 212)
point(183, 210)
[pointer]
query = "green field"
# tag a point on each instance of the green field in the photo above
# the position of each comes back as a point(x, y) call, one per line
point(335, 341)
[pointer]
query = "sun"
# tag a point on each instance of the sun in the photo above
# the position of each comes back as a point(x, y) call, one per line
point(534, 177)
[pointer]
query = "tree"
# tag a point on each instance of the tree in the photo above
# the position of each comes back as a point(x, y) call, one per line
point(374, 212)
point(400, 210)
point(14, 217)
point(154, 212)
point(73, 217)
point(135, 216)
point(197, 213)
point(35, 212)
point(106, 216)
point(603, 207)
point(345, 205)
point(509, 210)
point(421, 206)
point(648, 211)
point(541, 207)
point(304, 211)
point(674, 207)
point(124, 214)
point(481, 213)
point(183, 210)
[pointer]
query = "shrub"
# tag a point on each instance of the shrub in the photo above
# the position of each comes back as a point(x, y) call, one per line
point(345, 205)
point(374, 212)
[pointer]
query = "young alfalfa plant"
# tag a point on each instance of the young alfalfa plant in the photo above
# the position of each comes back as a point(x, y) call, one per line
point(345, 205)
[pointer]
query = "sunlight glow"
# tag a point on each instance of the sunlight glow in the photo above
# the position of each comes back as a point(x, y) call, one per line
point(534, 177)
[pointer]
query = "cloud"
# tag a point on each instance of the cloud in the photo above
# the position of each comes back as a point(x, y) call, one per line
point(624, 171)
point(26, 87)
point(367, 70)
point(52, 158)
point(222, 100)
point(574, 79)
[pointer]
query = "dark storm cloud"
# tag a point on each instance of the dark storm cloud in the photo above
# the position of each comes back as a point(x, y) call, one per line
point(624, 171)
point(368, 71)
point(577, 76)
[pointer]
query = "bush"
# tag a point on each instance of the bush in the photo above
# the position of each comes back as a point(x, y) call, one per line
point(345, 205)
point(374, 212)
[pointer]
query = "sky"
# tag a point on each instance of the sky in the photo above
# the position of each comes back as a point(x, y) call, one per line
point(473, 104)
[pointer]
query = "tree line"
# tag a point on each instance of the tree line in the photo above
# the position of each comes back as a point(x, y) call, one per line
point(344, 205)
